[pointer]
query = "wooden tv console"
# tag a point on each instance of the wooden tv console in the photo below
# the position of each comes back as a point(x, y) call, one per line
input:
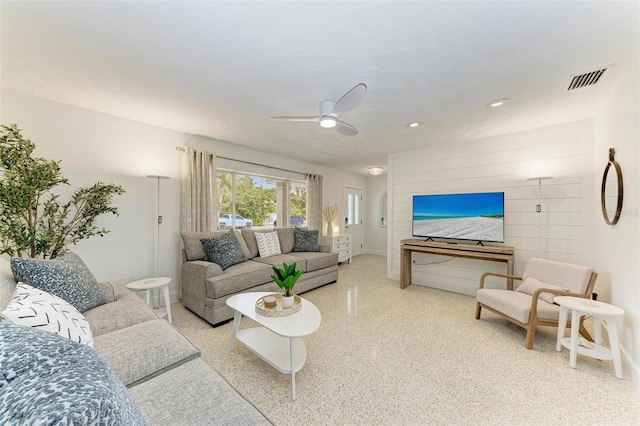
point(470, 251)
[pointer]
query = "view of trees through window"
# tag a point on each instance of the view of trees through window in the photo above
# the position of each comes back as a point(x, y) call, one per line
point(256, 200)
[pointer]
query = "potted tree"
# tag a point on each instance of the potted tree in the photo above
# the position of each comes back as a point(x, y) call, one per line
point(286, 278)
point(34, 222)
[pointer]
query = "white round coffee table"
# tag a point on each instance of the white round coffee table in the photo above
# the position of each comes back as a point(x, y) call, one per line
point(279, 339)
point(151, 284)
point(598, 311)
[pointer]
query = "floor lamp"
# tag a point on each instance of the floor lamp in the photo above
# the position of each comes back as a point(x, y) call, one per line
point(539, 206)
point(158, 178)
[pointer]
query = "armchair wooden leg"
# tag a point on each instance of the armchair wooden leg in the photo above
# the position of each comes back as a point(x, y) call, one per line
point(583, 330)
point(478, 307)
point(531, 332)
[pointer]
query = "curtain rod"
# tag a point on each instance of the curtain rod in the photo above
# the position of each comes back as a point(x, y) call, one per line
point(182, 149)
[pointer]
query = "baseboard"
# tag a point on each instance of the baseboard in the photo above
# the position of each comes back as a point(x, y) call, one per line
point(376, 252)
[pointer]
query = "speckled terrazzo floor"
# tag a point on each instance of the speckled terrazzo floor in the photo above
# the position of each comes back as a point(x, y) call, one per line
point(416, 356)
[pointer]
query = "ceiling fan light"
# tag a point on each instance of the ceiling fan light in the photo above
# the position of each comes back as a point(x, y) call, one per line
point(328, 122)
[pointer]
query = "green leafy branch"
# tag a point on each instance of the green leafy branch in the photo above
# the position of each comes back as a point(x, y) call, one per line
point(31, 225)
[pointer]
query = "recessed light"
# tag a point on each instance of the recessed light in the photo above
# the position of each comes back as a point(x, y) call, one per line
point(497, 102)
point(414, 124)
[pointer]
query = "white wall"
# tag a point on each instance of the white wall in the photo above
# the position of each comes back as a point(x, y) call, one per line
point(98, 147)
point(501, 164)
point(375, 235)
point(617, 248)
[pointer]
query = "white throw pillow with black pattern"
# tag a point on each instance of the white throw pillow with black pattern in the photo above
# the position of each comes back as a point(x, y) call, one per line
point(305, 240)
point(38, 309)
point(66, 277)
point(224, 250)
point(268, 243)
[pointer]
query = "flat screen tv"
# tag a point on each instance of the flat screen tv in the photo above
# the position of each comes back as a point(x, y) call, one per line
point(476, 216)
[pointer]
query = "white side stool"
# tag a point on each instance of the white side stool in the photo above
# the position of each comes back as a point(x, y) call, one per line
point(151, 284)
point(599, 311)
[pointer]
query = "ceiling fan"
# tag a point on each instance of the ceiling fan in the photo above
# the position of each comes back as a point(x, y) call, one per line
point(330, 110)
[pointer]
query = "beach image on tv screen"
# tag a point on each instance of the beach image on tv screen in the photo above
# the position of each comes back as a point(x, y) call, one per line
point(476, 216)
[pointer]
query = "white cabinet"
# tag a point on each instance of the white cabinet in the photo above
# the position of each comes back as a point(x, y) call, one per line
point(340, 244)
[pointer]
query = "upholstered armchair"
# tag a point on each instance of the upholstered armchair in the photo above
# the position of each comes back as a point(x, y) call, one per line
point(531, 304)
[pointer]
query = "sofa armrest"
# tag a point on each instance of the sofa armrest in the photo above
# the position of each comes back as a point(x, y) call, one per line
point(324, 248)
point(200, 270)
point(108, 292)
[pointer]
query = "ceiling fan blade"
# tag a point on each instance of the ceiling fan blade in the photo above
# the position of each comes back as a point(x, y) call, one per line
point(351, 99)
point(287, 118)
point(345, 128)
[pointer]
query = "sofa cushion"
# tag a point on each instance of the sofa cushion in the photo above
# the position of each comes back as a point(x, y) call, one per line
point(193, 248)
point(315, 260)
point(216, 402)
point(127, 310)
point(268, 244)
point(305, 240)
point(530, 285)
point(36, 308)
point(7, 282)
point(46, 379)
point(287, 239)
point(515, 304)
point(66, 277)
point(249, 236)
point(144, 350)
point(238, 278)
point(224, 250)
point(278, 260)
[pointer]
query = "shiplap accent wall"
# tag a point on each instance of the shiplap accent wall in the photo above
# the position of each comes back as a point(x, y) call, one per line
point(500, 163)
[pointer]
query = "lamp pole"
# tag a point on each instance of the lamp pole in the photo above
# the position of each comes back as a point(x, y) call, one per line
point(158, 178)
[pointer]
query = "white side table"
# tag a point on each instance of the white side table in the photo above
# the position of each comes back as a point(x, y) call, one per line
point(151, 284)
point(599, 311)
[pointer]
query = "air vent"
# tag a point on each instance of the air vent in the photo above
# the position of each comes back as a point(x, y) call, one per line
point(584, 80)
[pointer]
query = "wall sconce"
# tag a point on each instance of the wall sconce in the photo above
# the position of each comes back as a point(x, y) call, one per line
point(376, 171)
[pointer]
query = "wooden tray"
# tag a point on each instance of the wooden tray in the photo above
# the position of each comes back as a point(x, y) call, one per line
point(278, 311)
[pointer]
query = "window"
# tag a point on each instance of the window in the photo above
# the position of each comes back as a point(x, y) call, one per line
point(254, 200)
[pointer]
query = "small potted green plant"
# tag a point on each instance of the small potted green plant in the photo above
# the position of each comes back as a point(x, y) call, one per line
point(286, 278)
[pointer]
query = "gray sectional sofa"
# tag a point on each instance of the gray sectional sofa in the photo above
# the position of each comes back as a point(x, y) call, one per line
point(161, 370)
point(206, 286)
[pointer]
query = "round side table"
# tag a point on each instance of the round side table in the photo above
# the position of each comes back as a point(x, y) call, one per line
point(599, 311)
point(151, 284)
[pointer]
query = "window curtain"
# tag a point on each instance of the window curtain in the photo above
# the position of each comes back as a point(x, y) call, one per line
point(314, 203)
point(198, 193)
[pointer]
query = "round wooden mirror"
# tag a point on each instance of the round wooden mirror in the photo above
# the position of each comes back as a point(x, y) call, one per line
point(612, 191)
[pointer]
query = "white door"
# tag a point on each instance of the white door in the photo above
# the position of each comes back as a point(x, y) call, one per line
point(353, 218)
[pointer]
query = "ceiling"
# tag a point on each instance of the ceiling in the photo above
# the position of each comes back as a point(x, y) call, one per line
point(221, 69)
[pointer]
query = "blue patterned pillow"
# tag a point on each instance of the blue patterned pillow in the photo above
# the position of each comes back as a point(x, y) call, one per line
point(66, 277)
point(47, 379)
point(305, 240)
point(224, 250)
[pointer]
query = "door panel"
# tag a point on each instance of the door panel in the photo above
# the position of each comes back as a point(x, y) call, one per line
point(353, 218)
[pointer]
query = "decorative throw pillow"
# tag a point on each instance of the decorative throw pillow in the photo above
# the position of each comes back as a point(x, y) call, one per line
point(66, 277)
point(305, 240)
point(39, 309)
point(530, 285)
point(46, 379)
point(268, 243)
point(224, 250)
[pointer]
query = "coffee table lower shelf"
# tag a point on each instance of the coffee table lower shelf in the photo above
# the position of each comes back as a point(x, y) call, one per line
point(274, 349)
